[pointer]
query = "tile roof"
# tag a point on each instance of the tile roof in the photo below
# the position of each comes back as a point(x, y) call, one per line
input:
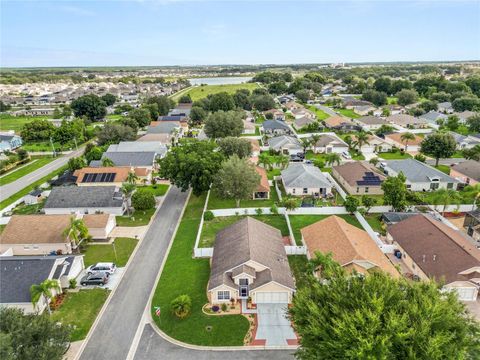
point(163, 127)
point(397, 137)
point(250, 239)
point(371, 120)
point(327, 139)
point(120, 174)
point(346, 242)
point(264, 186)
point(300, 175)
point(96, 221)
point(335, 121)
point(35, 229)
point(355, 172)
point(83, 197)
point(405, 119)
point(437, 249)
point(470, 168)
point(281, 141)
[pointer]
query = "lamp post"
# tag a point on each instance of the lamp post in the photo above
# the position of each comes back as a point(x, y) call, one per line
point(114, 250)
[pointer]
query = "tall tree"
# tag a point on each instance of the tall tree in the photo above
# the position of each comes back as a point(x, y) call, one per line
point(361, 139)
point(222, 124)
point(141, 116)
point(221, 101)
point(109, 99)
point(90, 106)
point(44, 291)
point(333, 158)
point(127, 191)
point(235, 146)
point(438, 145)
point(192, 164)
point(163, 104)
point(395, 192)
point(446, 197)
point(406, 138)
point(76, 232)
point(132, 178)
point(237, 179)
point(113, 134)
point(406, 97)
point(107, 162)
point(381, 318)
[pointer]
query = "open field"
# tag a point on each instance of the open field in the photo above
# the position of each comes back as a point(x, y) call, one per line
point(199, 92)
point(197, 328)
point(9, 122)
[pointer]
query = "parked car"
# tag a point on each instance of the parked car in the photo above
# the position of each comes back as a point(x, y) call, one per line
point(98, 278)
point(108, 268)
point(346, 155)
point(295, 158)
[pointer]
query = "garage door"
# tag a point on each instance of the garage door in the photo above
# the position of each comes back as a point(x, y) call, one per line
point(272, 297)
point(466, 294)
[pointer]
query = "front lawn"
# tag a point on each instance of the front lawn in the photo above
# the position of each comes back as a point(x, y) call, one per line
point(348, 113)
point(184, 275)
point(138, 218)
point(157, 189)
point(214, 202)
point(212, 227)
point(394, 155)
point(300, 221)
point(105, 252)
point(80, 310)
point(33, 165)
point(357, 155)
point(321, 115)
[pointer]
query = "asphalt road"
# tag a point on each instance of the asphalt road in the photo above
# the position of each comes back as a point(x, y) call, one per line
point(115, 331)
point(152, 346)
point(449, 162)
point(8, 190)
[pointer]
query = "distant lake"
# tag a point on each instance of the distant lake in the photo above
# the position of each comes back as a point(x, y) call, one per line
point(220, 80)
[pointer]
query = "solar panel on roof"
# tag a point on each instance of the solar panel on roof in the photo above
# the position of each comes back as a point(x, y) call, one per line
point(98, 177)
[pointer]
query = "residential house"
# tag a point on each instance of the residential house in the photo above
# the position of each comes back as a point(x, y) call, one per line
point(163, 138)
point(364, 109)
point(135, 146)
point(407, 121)
point(349, 245)
point(285, 144)
point(102, 176)
point(411, 146)
point(432, 250)
point(300, 179)
point(100, 225)
point(85, 200)
point(433, 117)
point(255, 147)
point(471, 224)
point(33, 197)
point(263, 189)
point(142, 163)
point(292, 105)
point(275, 127)
point(172, 128)
point(302, 112)
point(465, 142)
point(277, 114)
point(249, 261)
point(9, 142)
point(467, 172)
point(419, 176)
point(329, 143)
point(370, 123)
point(305, 121)
point(351, 102)
point(248, 127)
point(341, 123)
point(445, 107)
point(19, 273)
point(359, 178)
point(465, 115)
point(376, 144)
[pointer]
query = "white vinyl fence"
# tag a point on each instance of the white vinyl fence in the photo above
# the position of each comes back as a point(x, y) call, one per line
point(296, 250)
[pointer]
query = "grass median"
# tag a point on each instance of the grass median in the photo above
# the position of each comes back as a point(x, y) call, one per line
point(33, 165)
point(183, 274)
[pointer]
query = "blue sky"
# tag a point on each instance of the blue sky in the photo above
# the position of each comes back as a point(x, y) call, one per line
point(177, 32)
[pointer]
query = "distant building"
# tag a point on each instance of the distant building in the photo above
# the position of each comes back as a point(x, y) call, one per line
point(9, 142)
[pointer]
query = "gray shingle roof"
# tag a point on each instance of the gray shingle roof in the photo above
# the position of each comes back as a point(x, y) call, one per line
point(83, 197)
point(275, 124)
point(301, 175)
point(433, 116)
point(371, 120)
point(131, 158)
point(166, 127)
point(278, 142)
point(330, 140)
point(250, 239)
point(138, 146)
point(418, 172)
point(470, 168)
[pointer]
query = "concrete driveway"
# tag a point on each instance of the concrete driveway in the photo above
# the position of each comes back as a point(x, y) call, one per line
point(273, 325)
point(113, 280)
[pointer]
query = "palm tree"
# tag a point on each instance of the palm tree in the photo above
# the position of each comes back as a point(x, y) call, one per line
point(406, 137)
point(181, 306)
point(44, 290)
point(348, 140)
point(264, 159)
point(132, 178)
point(314, 138)
point(77, 232)
point(127, 191)
point(474, 191)
point(361, 139)
point(446, 197)
point(106, 162)
point(333, 158)
point(284, 160)
point(374, 161)
point(306, 142)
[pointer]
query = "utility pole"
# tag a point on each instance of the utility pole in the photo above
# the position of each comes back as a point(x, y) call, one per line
point(53, 147)
point(75, 139)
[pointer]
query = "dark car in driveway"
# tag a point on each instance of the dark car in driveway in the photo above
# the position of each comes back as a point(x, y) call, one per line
point(98, 278)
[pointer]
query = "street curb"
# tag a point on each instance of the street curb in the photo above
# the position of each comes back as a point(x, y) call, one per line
point(105, 304)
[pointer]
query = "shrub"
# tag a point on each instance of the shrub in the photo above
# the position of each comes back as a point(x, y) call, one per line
point(224, 307)
point(274, 209)
point(208, 216)
point(215, 308)
point(259, 211)
point(420, 158)
point(143, 199)
point(181, 306)
point(72, 283)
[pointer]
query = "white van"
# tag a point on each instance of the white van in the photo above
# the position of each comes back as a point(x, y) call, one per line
point(108, 268)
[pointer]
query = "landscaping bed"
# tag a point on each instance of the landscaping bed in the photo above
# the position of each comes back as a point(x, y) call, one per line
point(79, 310)
point(138, 218)
point(105, 253)
point(197, 328)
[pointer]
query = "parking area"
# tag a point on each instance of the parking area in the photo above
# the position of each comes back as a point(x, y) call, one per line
point(113, 280)
point(273, 325)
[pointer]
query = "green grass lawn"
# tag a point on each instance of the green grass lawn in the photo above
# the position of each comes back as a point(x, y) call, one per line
point(104, 253)
point(44, 146)
point(157, 189)
point(138, 218)
point(23, 209)
point(27, 169)
point(228, 330)
point(457, 154)
point(394, 155)
point(214, 202)
point(29, 188)
point(443, 168)
point(212, 227)
point(199, 92)
point(348, 113)
point(300, 221)
point(392, 100)
point(298, 265)
point(272, 173)
point(80, 310)
point(379, 198)
point(10, 122)
point(321, 115)
point(375, 222)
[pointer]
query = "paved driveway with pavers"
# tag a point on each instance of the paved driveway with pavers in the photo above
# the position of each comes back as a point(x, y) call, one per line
point(273, 325)
point(152, 346)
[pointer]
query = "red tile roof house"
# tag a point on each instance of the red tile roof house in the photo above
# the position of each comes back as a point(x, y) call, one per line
point(433, 250)
point(359, 178)
point(263, 190)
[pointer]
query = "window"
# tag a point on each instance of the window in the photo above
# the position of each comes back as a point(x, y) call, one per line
point(366, 189)
point(243, 281)
point(434, 185)
point(26, 247)
point(450, 186)
point(223, 295)
point(305, 190)
point(358, 189)
point(293, 191)
point(409, 186)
